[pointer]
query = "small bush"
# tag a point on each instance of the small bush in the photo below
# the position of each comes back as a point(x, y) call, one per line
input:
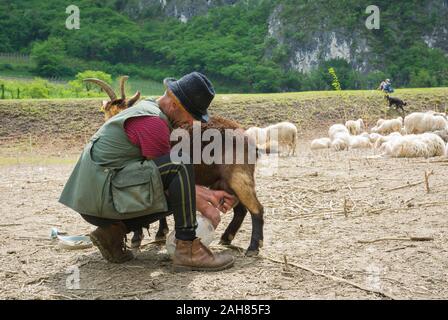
point(6, 67)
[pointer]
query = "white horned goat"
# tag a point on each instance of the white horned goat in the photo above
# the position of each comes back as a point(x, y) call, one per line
point(355, 127)
point(414, 146)
point(421, 122)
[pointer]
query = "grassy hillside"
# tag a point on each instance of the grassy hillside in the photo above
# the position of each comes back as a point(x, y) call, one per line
point(75, 120)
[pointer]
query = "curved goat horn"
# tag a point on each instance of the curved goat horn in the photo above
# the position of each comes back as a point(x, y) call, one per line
point(123, 80)
point(134, 99)
point(106, 87)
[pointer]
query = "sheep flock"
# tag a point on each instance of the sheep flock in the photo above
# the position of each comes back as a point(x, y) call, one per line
point(420, 134)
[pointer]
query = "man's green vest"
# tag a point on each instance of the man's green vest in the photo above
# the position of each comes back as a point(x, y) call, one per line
point(112, 179)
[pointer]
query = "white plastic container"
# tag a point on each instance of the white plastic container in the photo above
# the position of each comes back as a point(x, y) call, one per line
point(204, 231)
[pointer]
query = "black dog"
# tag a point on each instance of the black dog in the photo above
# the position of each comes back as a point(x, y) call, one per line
point(398, 103)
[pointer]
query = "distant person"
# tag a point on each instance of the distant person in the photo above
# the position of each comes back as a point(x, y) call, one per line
point(386, 86)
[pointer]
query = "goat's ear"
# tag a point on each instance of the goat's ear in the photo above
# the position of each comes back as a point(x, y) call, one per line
point(105, 105)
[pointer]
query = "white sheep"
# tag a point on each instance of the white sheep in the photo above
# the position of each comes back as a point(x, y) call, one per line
point(446, 150)
point(365, 135)
point(322, 143)
point(435, 144)
point(388, 126)
point(414, 146)
point(285, 134)
point(337, 128)
point(438, 114)
point(383, 139)
point(269, 148)
point(421, 122)
point(339, 144)
point(258, 134)
point(339, 136)
point(360, 142)
point(374, 137)
point(442, 134)
point(355, 127)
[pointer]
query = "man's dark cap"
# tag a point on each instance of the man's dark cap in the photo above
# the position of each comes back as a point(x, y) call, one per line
point(194, 91)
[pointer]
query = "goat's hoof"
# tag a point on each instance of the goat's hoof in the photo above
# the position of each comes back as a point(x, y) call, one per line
point(226, 239)
point(136, 240)
point(225, 242)
point(160, 237)
point(252, 252)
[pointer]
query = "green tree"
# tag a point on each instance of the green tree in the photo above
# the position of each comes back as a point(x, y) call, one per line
point(37, 89)
point(49, 57)
point(78, 84)
point(422, 79)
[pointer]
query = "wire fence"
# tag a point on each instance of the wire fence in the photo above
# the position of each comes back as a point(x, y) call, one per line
point(6, 93)
point(15, 57)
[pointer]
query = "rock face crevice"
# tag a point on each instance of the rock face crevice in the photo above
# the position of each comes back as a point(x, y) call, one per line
point(357, 45)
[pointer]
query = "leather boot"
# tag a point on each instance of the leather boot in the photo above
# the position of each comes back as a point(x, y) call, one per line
point(194, 256)
point(111, 242)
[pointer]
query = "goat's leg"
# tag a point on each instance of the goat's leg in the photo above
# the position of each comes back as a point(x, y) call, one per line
point(256, 241)
point(163, 230)
point(137, 238)
point(239, 213)
point(243, 184)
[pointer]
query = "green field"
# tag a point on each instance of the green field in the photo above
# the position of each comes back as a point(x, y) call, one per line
point(17, 72)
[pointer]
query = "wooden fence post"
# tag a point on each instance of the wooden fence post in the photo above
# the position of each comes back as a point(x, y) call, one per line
point(18, 93)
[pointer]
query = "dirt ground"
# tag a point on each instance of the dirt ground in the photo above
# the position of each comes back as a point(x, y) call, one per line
point(319, 206)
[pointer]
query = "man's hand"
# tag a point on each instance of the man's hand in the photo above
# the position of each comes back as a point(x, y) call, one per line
point(210, 202)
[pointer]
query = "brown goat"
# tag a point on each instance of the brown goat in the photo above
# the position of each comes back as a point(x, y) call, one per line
point(115, 105)
point(236, 179)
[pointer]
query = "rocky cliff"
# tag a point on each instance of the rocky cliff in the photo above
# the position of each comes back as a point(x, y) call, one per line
point(183, 10)
point(316, 31)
